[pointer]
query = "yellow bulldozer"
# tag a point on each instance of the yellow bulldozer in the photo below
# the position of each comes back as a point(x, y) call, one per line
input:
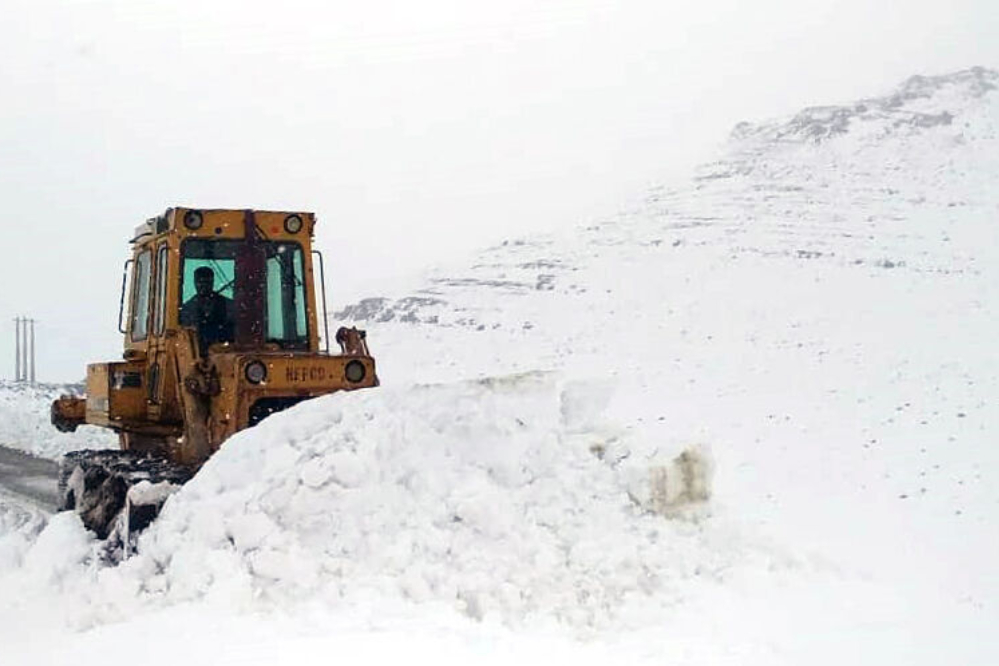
point(221, 330)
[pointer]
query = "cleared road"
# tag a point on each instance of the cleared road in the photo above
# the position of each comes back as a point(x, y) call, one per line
point(30, 478)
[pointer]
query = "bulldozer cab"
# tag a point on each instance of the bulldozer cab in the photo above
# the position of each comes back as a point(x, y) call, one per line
point(221, 325)
point(237, 278)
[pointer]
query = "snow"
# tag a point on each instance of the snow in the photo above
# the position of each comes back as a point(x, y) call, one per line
point(145, 492)
point(24, 413)
point(19, 526)
point(348, 505)
point(751, 421)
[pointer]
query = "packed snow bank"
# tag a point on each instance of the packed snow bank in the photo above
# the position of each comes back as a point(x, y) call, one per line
point(496, 498)
point(485, 495)
point(24, 415)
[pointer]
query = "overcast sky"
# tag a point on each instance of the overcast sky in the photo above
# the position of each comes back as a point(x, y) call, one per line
point(417, 131)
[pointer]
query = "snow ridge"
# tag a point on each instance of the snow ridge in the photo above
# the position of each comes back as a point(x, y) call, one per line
point(898, 182)
point(920, 103)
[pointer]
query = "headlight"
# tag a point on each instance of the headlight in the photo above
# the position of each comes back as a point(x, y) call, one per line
point(293, 224)
point(193, 220)
point(354, 372)
point(256, 372)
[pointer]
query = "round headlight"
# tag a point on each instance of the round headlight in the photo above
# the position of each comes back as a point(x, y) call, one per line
point(193, 220)
point(354, 372)
point(256, 372)
point(293, 224)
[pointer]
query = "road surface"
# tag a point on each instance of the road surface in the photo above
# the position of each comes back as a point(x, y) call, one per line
point(30, 478)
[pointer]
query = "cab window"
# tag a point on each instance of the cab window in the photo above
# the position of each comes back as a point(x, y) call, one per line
point(219, 257)
point(140, 296)
point(286, 295)
point(161, 289)
point(208, 277)
point(214, 264)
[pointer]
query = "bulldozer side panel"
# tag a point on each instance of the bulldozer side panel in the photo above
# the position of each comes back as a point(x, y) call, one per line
point(116, 393)
point(223, 419)
point(127, 391)
point(168, 410)
point(98, 399)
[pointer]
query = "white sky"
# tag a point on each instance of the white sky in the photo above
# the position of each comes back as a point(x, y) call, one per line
point(416, 131)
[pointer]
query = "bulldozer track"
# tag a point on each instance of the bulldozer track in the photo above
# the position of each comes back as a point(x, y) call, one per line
point(29, 478)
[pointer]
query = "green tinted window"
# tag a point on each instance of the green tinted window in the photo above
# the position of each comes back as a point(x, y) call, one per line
point(209, 266)
point(285, 294)
point(225, 276)
point(282, 314)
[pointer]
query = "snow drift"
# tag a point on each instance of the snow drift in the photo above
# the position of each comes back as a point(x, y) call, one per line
point(486, 496)
point(24, 413)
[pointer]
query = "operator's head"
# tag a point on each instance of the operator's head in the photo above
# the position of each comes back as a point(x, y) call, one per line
point(204, 280)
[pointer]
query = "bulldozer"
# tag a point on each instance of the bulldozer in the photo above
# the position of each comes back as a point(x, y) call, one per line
point(221, 329)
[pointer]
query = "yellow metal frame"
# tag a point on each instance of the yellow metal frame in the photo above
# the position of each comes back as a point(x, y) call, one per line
point(119, 394)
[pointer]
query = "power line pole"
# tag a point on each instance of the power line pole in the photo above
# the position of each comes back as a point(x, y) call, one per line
point(24, 350)
point(17, 343)
point(32, 352)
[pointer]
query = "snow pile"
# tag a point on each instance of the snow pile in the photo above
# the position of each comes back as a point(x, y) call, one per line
point(499, 499)
point(24, 413)
point(481, 495)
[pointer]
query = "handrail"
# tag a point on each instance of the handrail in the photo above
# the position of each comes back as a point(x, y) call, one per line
point(121, 303)
point(322, 284)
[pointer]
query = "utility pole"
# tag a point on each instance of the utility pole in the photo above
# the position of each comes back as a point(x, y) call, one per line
point(32, 352)
point(24, 350)
point(17, 342)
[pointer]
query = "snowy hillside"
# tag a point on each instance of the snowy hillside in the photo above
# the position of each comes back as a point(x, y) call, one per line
point(812, 319)
point(901, 181)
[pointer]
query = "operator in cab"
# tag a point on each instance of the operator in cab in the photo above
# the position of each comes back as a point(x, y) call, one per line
point(207, 311)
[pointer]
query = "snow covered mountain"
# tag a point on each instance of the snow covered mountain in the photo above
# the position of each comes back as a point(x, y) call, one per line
point(902, 178)
point(812, 317)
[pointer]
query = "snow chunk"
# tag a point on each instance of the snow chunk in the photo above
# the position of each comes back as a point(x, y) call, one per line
point(146, 492)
